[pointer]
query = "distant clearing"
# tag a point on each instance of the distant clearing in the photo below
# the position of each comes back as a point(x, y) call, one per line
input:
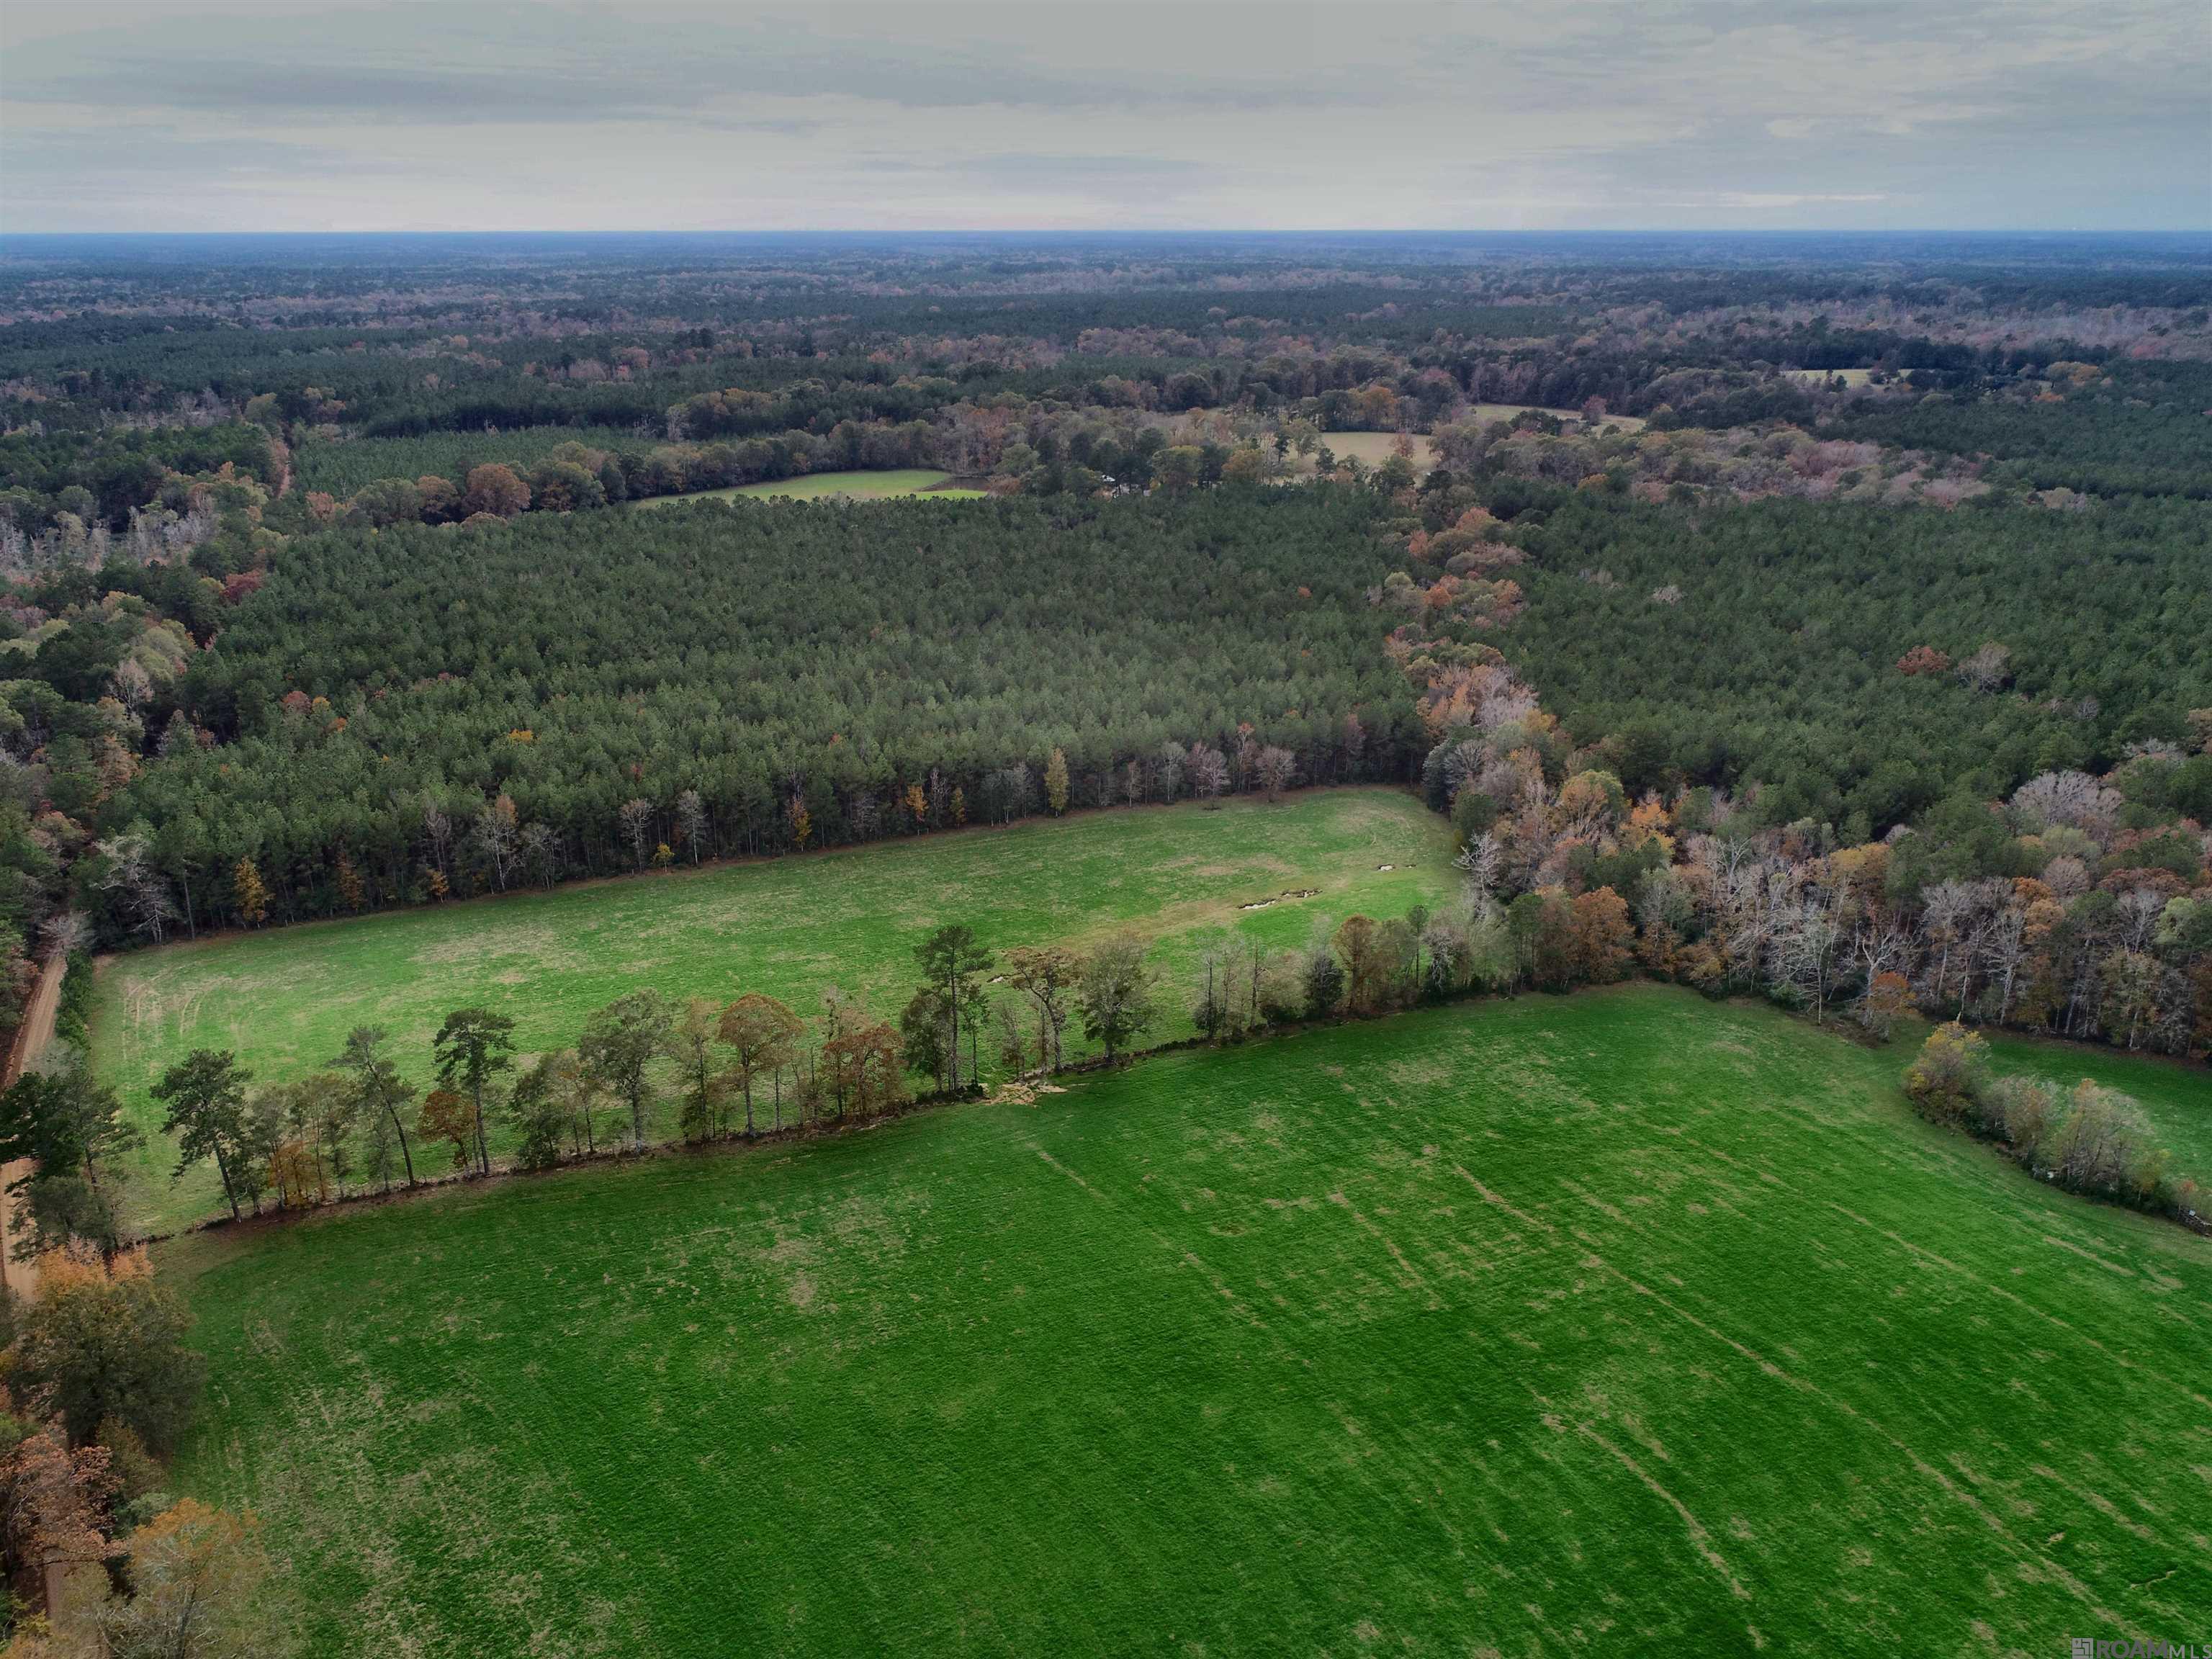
point(851, 486)
point(284, 999)
point(1629, 1320)
point(1851, 377)
point(1507, 412)
point(1373, 448)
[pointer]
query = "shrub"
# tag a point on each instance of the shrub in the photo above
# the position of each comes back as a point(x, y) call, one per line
point(1947, 1080)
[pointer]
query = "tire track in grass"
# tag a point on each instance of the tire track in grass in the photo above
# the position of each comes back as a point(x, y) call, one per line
point(1920, 1253)
point(1928, 1471)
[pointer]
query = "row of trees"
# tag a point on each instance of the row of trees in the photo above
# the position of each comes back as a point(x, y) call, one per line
point(738, 1069)
point(359, 1124)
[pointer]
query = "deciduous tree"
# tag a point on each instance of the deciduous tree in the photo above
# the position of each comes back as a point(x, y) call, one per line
point(763, 1036)
point(1115, 993)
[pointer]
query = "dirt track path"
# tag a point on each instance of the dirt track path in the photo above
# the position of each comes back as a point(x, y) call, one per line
point(31, 1039)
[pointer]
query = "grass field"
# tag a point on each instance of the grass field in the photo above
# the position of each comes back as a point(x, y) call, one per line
point(1625, 1322)
point(847, 486)
point(1851, 377)
point(284, 999)
point(1373, 448)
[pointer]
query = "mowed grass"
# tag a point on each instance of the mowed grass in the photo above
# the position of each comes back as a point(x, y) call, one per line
point(1626, 1322)
point(866, 486)
point(284, 999)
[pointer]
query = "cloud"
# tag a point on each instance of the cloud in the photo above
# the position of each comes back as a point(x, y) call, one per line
point(269, 114)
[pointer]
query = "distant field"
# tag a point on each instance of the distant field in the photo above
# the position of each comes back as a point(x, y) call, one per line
point(853, 486)
point(344, 467)
point(284, 999)
point(1507, 412)
point(1851, 377)
point(1628, 1322)
point(1373, 448)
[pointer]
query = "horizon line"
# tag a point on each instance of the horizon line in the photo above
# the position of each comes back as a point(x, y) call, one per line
point(2204, 231)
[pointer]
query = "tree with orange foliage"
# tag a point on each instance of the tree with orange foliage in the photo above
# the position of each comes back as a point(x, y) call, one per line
point(248, 894)
point(1884, 1003)
point(1601, 941)
point(197, 1577)
point(54, 1505)
point(495, 489)
point(448, 1115)
point(102, 1340)
point(764, 1033)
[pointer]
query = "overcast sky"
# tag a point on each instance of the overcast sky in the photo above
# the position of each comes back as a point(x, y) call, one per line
point(456, 114)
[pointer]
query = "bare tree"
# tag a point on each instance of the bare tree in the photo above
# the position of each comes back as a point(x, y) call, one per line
point(1208, 772)
point(438, 830)
point(496, 837)
point(690, 821)
point(635, 818)
point(1478, 862)
point(127, 871)
point(1988, 669)
point(1278, 767)
point(540, 851)
point(1167, 771)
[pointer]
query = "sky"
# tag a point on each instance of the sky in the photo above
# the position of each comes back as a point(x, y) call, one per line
point(274, 115)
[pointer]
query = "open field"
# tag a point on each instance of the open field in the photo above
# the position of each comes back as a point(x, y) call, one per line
point(1507, 412)
point(1851, 377)
point(850, 486)
point(1627, 1321)
point(284, 999)
point(1373, 448)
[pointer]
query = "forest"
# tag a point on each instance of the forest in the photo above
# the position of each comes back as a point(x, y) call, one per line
point(321, 599)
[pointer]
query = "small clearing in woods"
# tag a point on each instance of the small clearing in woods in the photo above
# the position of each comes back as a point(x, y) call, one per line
point(844, 486)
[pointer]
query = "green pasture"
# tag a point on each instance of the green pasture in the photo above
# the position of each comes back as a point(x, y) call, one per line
point(284, 999)
point(1628, 1322)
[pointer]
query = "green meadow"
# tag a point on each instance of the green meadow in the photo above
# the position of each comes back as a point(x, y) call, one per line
point(1185, 876)
point(1622, 1323)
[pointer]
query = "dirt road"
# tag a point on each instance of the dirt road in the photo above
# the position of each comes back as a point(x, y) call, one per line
point(31, 1039)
